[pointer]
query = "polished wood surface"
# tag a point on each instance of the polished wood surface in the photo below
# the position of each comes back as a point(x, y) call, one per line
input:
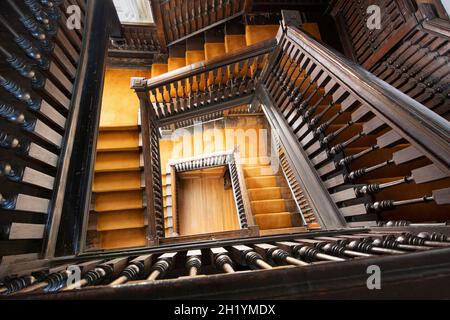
point(204, 206)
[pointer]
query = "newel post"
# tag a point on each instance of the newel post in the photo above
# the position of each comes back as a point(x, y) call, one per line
point(154, 212)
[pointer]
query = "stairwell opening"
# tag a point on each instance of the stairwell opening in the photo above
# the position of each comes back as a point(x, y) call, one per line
point(205, 202)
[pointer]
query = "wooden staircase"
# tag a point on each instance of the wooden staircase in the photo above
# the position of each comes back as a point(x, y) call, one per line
point(213, 44)
point(117, 217)
point(271, 200)
point(117, 214)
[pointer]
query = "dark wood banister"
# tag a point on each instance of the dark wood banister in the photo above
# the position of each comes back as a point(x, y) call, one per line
point(244, 191)
point(206, 66)
point(418, 124)
point(67, 222)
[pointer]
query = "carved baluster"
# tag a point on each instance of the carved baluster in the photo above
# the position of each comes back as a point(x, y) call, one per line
point(282, 73)
point(7, 203)
point(37, 80)
point(244, 73)
point(251, 87)
point(196, 93)
point(385, 205)
point(390, 242)
point(410, 239)
point(155, 103)
point(136, 269)
point(51, 3)
point(23, 68)
point(170, 106)
point(11, 172)
point(20, 94)
point(203, 93)
point(194, 262)
point(245, 256)
point(334, 248)
point(199, 15)
point(185, 9)
point(239, 78)
point(178, 103)
point(205, 13)
point(163, 264)
point(434, 236)
point(11, 114)
point(277, 56)
point(305, 252)
point(273, 253)
point(398, 158)
point(26, 45)
point(370, 127)
point(221, 259)
point(32, 26)
point(214, 86)
point(365, 244)
point(41, 15)
point(179, 18)
point(103, 273)
point(55, 278)
point(17, 284)
point(378, 187)
point(7, 141)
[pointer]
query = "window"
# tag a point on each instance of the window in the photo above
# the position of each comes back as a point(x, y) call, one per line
point(134, 11)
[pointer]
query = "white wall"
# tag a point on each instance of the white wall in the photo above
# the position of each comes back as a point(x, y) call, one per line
point(134, 11)
point(446, 4)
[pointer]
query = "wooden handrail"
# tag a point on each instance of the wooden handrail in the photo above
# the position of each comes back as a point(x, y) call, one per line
point(205, 66)
point(70, 208)
point(418, 124)
point(244, 191)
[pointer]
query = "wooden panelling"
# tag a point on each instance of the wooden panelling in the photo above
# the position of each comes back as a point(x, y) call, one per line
point(410, 51)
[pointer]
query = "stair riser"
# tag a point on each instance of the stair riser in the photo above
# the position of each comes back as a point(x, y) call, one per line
point(273, 206)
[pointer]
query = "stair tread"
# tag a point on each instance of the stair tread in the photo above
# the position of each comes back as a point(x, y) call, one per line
point(265, 193)
point(193, 56)
point(126, 238)
point(124, 140)
point(278, 220)
point(259, 33)
point(272, 206)
point(258, 182)
point(235, 42)
point(117, 161)
point(118, 201)
point(214, 50)
point(174, 63)
point(127, 219)
point(260, 171)
point(117, 181)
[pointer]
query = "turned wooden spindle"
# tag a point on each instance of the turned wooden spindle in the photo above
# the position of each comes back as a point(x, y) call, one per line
point(306, 252)
point(163, 264)
point(136, 269)
point(278, 255)
point(102, 273)
point(222, 260)
point(194, 262)
point(245, 256)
